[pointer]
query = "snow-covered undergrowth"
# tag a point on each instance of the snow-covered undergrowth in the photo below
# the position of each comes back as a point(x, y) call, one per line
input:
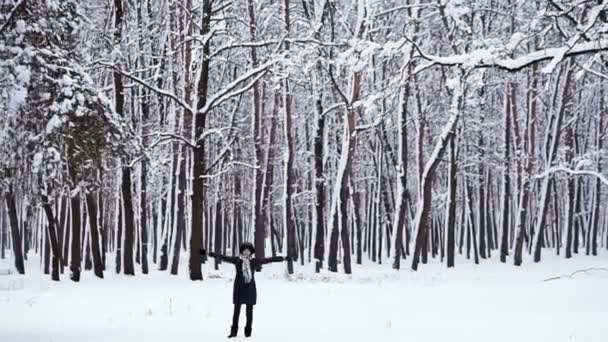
point(488, 302)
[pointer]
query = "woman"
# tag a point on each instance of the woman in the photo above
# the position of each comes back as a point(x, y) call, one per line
point(244, 283)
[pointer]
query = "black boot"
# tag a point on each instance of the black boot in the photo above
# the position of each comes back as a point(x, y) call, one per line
point(233, 331)
point(247, 331)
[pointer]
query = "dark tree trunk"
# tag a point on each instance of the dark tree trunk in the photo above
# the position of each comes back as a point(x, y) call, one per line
point(75, 259)
point(52, 240)
point(217, 244)
point(401, 201)
point(119, 238)
point(181, 211)
point(144, 218)
point(2, 232)
point(47, 251)
point(320, 187)
point(94, 235)
point(451, 206)
point(126, 171)
point(426, 188)
point(552, 145)
point(15, 234)
point(198, 204)
point(598, 188)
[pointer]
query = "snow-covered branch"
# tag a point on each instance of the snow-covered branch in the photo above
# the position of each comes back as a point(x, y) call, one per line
point(494, 58)
point(148, 86)
point(230, 90)
point(556, 169)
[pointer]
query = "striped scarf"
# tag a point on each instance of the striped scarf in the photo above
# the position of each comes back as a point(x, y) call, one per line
point(246, 269)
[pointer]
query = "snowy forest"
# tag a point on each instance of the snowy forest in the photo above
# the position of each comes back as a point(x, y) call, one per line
point(337, 133)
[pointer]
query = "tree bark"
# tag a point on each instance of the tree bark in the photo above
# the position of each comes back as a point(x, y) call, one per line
point(198, 203)
point(258, 175)
point(552, 145)
point(75, 259)
point(94, 229)
point(451, 205)
point(15, 234)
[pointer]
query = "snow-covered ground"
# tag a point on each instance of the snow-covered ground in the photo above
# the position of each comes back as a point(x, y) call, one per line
point(489, 302)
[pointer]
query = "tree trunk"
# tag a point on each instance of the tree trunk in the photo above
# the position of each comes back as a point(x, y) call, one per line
point(52, 239)
point(198, 203)
point(119, 208)
point(126, 170)
point(451, 205)
point(289, 223)
point(551, 155)
point(424, 205)
point(258, 175)
point(75, 259)
point(598, 188)
point(16, 236)
point(401, 200)
point(506, 181)
point(319, 183)
point(94, 229)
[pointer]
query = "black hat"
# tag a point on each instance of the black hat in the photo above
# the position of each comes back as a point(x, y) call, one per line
point(247, 245)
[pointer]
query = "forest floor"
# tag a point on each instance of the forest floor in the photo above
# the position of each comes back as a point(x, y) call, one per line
point(488, 302)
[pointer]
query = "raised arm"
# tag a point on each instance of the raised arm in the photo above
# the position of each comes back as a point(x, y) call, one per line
point(263, 261)
point(230, 260)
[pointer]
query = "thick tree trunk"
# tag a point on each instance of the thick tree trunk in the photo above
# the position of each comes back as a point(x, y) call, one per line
point(198, 203)
point(126, 171)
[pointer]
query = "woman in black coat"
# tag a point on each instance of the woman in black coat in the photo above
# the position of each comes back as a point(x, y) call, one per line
point(244, 291)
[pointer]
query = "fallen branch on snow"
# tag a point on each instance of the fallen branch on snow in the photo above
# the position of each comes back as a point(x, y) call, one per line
point(571, 275)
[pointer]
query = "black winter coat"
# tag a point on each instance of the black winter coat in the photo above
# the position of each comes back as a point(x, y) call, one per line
point(244, 293)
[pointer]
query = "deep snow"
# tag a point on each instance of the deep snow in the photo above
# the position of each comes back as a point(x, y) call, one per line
point(489, 302)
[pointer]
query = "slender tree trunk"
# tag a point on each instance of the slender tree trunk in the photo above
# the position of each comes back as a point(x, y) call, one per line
point(451, 205)
point(424, 206)
point(289, 223)
point(119, 208)
point(600, 131)
point(506, 181)
point(52, 240)
point(16, 236)
point(75, 259)
point(2, 231)
point(94, 229)
point(401, 200)
point(258, 175)
point(319, 183)
point(552, 145)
